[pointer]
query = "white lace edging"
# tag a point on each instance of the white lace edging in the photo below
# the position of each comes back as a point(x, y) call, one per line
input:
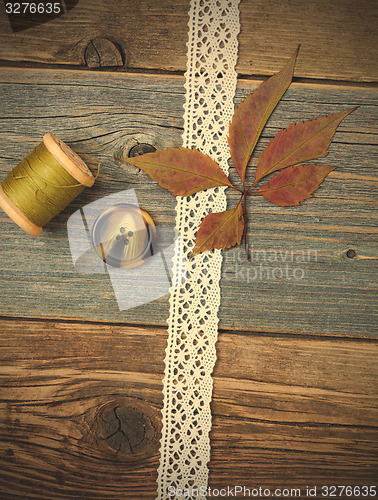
point(194, 301)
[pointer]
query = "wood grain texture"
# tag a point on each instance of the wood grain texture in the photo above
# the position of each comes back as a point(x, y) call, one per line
point(339, 39)
point(103, 115)
point(81, 414)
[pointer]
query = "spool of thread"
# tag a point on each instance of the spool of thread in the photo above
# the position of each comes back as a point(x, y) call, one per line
point(43, 184)
point(124, 235)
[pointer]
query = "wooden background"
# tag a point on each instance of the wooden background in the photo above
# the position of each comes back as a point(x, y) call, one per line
point(295, 381)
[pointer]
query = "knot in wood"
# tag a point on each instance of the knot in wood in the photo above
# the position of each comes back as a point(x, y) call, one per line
point(125, 430)
point(141, 149)
point(351, 253)
point(102, 53)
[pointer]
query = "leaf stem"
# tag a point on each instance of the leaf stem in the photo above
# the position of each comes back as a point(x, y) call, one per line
point(236, 188)
point(250, 187)
point(245, 225)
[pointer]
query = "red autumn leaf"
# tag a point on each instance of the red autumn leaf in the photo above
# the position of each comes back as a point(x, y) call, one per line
point(220, 230)
point(294, 184)
point(182, 171)
point(252, 114)
point(298, 143)
point(187, 171)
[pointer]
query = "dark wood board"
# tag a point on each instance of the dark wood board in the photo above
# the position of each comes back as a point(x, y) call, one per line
point(103, 115)
point(339, 38)
point(288, 411)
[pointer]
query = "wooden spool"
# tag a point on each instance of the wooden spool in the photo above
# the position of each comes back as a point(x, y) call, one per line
point(69, 160)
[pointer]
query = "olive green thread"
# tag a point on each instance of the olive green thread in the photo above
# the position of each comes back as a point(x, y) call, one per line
point(40, 187)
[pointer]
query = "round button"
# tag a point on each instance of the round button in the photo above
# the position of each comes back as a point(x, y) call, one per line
point(123, 236)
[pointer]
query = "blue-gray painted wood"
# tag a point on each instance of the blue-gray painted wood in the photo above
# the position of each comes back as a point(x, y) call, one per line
point(103, 115)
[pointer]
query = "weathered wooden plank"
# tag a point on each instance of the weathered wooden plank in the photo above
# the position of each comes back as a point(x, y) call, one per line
point(287, 411)
point(103, 115)
point(339, 41)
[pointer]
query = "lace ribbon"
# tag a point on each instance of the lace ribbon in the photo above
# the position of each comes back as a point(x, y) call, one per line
point(195, 294)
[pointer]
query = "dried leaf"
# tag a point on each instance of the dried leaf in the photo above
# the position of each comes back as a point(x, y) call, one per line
point(182, 171)
point(220, 230)
point(294, 184)
point(187, 171)
point(252, 114)
point(298, 143)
